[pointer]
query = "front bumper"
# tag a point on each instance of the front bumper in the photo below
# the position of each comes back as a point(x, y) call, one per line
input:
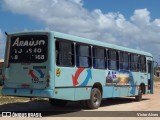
point(25, 92)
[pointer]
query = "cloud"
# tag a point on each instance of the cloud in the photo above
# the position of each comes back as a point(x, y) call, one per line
point(141, 17)
point(70, 16)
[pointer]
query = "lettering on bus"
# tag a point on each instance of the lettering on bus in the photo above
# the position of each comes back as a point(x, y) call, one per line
point(28, 42)
point(117, 77)
point(37, 75)
point(28, 48)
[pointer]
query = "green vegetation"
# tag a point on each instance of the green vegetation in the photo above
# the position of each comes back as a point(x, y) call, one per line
point(7, 99)
point(11, 99)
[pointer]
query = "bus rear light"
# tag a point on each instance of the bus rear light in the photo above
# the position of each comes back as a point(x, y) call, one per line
point(48, 76)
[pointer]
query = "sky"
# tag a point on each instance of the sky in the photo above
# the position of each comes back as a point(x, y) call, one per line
point(130, 23)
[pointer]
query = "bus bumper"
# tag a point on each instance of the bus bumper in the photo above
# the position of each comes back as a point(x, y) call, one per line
point(47, 93)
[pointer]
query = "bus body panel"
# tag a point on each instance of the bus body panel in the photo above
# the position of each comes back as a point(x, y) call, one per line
point(27, 92)
point(20, 76)
point(108, 91)
point(124, 90)
point(72, 93)
point(63, 77)
point(98, 76)
point(30, 79)
point(51, 60)
point(82, 93)
point(73, 83)
point(133, 90)
point(64, 93)
point(116, 91)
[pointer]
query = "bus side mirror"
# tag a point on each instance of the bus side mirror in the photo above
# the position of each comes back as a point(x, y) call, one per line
point(155, 65)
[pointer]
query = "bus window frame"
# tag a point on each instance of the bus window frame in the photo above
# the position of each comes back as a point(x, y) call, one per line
point(90, 57)
point(74, 54)
point(105, 57)
point(117, 58)
point(145, 62)
point(138, 62)
point(124, 52)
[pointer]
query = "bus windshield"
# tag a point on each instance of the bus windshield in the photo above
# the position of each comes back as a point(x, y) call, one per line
point(28, 49)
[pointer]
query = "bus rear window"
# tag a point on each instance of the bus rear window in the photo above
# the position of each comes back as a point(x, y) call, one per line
point(28, 49)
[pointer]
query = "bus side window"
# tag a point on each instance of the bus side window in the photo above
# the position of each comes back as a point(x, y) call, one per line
point(99, 58)
point(142, 64)
point(64, 53)
point(113, 60)
point(124, 61)
point(83, 58)
point(134, 62)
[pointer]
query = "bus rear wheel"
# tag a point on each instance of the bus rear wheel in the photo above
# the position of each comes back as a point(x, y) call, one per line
point(139, 96)
point(57, 102)
point(95, 99)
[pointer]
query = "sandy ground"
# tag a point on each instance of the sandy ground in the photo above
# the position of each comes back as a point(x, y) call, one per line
point(150, 102)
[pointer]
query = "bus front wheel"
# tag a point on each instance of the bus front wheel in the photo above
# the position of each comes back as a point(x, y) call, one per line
point(95, 99)
point(139, 96)
point(57, 102)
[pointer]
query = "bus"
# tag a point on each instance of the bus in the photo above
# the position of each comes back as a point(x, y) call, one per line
point(1, 67)
point(63, 67)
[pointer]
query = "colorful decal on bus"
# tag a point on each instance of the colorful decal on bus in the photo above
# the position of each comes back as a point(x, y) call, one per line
point(58, 72)
point(36, 76)
point(78, 73)
point(117, 77)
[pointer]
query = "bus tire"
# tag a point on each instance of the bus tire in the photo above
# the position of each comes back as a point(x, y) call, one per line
point(95, 99)
point(139, 96)
point(56, 102)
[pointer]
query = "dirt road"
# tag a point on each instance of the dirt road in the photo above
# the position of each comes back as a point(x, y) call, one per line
point(150, 102)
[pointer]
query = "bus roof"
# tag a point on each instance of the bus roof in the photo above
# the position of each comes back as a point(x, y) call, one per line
point(88, 41)
point(98, 43)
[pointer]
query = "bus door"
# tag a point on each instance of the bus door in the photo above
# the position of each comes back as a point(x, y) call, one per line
point(150, 73)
